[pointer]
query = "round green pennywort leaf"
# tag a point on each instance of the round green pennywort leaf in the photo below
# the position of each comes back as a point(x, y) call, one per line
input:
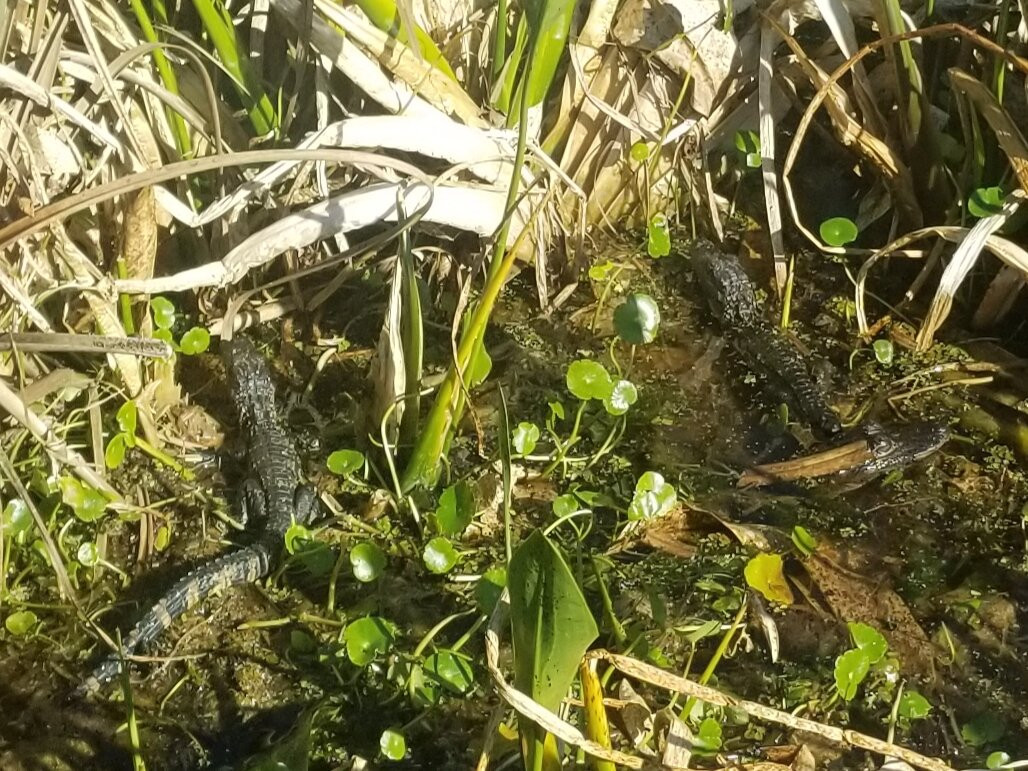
point(997, 759)
point(884, 351)
point(126, 418)
point(88, 554)
point(393, 745)
point(637, 319)
point(20, 622)
point(452, 670)
point(489, 588)
point(366, 638)
point(869, 640)
point(86, 502)
point(456, 509)
point(439, 555)
point(17, 517)
point(588, 379)
point(985, 201)
point(658, 238)
point(524, 438)
point(296, 534)
point(850, 670)
point(343, 462)
point(163, 312)
point(914, 706)
point(114, 454)
point(653, 497)
point(565, 504)
point(196, 340)
point(622, 396)
point(639, 152)
point(838, 231)
point(367, 561)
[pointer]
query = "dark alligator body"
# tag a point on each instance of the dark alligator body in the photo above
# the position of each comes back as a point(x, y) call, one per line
point(732, 300)
point(272, 497)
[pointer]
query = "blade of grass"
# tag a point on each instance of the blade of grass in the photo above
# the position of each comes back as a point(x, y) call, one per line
point(387, 17)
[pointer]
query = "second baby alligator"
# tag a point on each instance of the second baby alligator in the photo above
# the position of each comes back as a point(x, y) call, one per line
point(732, 299)
point(272, 497)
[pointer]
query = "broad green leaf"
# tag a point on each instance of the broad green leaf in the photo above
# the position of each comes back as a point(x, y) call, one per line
point(985, 201)
point(653, 497)
point(343, 462)
point(86, 502)
point(764, 573)
point(850, 670)
point(658, 238)
point(524, 438)
point(838, 231)
point(367, 561)
point(126, 418)
point(869, 640)
point(451, 670)
point(552, 624)
point(392, 744)
point(114, 453)
point(997, 759)
point(481, 366)
point(88, 554)
point(637, 319)
point(914, 706)
point(708, 736)
point(384, 15)
point(803, 541)
point(748, 145)
point(565, 504)
point(366, 638)
point(20, 622)
point(982, 729)
point(601, 270)
point(622, 396)
point(194, 341)
point(17, 517)
point(588, 379)
point(456, 509)
point(163, 312)
point(439, 555)
point(884, 351)
point(489, 588)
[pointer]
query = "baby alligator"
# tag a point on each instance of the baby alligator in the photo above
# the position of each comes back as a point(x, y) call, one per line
point(272, 497)
point(732, 300)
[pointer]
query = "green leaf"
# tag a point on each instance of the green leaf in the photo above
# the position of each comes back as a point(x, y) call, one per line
point(982, 729)
point(114, 453)
point(708, 737)
point(765, 574)
point(565, 504)
point(343, 462)
point(194, 341)
point(637, 319)
point(639, 152)
point(653, 497)
point(301, 642)
point(163, 538)
point(451, 670)
point(804, 542)
point(914, 706)
point(551, 623)
point(295, 535)
point(748, 145)
point(557, 409)
point(439, 555)
point(869, 640)
point(126, 418)
point(838, 231)
point(456, 509)
point(658, 238)
point(985, 201)
point(622, 396)
point(588, 379)
point(86, 502)
point(392, 744)
point(850, 670)
point(601, 270)
point(884, 351)
point(88, 554)
point(480, 367)
point(17, 517)
point(997, 759)
point(489, 588)
point(163, 312)
point(20, 622)
point(525, 437)
point(366, 638)
point(367, 561)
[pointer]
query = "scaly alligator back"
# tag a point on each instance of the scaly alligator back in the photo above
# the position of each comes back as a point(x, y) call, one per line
point(732, 300)
point(240, 567)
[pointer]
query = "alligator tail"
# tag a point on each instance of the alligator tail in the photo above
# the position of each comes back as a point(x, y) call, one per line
point(240, 567)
